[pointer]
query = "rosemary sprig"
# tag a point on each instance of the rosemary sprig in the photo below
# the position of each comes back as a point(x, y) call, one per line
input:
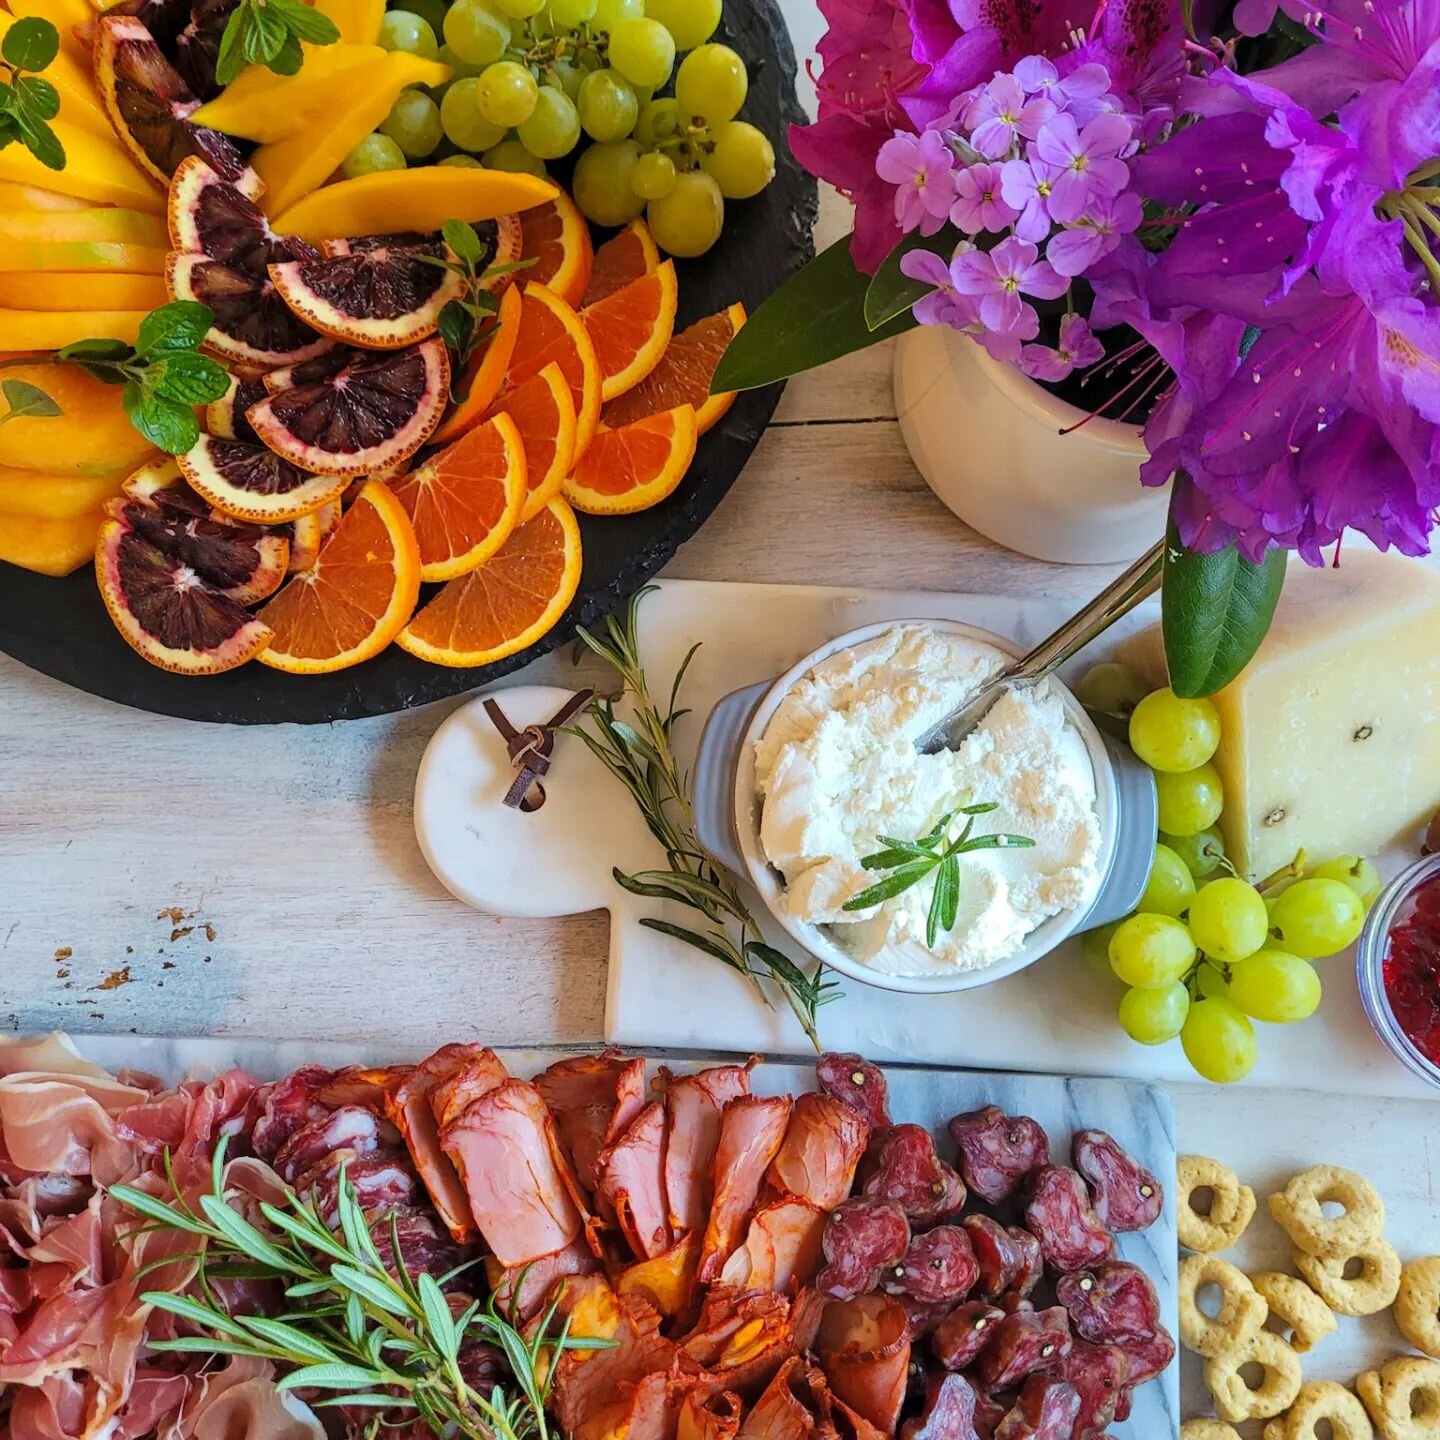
point(639, 753)
point(380, 1339)
point(910, 861)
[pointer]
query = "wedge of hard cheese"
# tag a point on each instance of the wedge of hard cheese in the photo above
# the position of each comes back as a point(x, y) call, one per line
point(1331, 739)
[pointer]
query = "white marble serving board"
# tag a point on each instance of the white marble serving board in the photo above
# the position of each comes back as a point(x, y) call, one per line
point(1140, 1117)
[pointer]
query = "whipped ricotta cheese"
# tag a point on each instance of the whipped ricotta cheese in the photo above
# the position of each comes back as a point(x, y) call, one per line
point(837, 767)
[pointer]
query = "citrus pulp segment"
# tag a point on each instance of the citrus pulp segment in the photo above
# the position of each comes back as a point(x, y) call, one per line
point(624, 257)
point(544, 415)
point(635, 466)
point(551, 330)
point(251, 482)
point(631, 328)
point(485, 374)
point(557, 238)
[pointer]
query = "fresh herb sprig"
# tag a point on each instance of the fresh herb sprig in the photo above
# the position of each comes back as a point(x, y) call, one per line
point(27, 102)
point(381, 1339)
point(910, 861)
point(268, 33)
point(26, 401)
point(639, 752)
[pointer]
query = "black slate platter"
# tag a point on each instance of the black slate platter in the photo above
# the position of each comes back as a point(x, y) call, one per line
point(60, 627)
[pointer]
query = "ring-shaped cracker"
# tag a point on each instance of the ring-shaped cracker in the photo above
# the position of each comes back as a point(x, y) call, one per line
point(1417, 1306)
point(1234, 1399)
point(1242, 1308)
point(1231, 1209)
point(1372, 1290)
point(1208, 1430)
point(1403, 1398)
point(1299, 1211)
point(1310, 1319)
point(1320, 1400)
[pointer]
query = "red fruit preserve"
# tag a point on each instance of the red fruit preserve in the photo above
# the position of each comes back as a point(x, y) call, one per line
point(1411, 969)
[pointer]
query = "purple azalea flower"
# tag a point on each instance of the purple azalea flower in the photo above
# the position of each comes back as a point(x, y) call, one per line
point(1138, 43)
point(999, 277)
point(1000, 115)
point(1085, 161)
point(1077, 348)
point(1026, 186)
point(1075, 249)
point(979, 204)
point(920, 167)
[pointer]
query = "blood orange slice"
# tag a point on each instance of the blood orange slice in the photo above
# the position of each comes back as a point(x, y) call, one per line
point(635, 466)
point(631, 328)
point(356, 597)
point(557, 239)
point(464, 501)
point(544, 415)
point(509, 602)
point(550, 330)
point(622, 258)
point(684, 373)
point(485, 373)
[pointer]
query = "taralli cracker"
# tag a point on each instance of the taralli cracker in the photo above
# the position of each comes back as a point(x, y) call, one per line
point(1232, 1205)
point(1242, 1308)
point(1319, 1401)
point(1403, 1398)
point(1309, 1318)
point(1369, 1292)
point(1417, 1306)
point(1208, 1430)
point(1299, 1211)
point(1279, 1386)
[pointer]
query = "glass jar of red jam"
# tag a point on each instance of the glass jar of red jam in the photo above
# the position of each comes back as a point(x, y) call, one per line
point(1399, 968)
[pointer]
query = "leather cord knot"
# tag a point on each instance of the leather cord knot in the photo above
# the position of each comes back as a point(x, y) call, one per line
point(530, 749)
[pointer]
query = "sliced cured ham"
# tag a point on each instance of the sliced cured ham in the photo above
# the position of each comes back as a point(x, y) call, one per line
point(667, 1280)
point(783, 1248)
point(525, 1290)
point(362, 1085)
point(476, 1078)
point(290, 1104)
point(788, 1410)
point(864, 1350)
point(709, 1415)
point(695, 1104)
point(630, 1179)
point(515, 1175)
point(822, 1146)
point(593, 1098)
point(65, 1124)
point(742, 1338)
point(751, 1130)
point(351, 1128)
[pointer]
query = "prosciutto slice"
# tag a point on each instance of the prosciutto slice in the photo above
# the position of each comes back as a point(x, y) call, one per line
point(66, 1123)
point(695, 1104)
point(751, 1130)
point(822, 1146)
point(630, 1180)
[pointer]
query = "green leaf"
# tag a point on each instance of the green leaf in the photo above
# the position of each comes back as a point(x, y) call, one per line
point(30, 44)
point(116, 350)
point(243, 1235)
point(457, 326)
point(705, 943)
point(288, 59)
point(1215, 611)
point(891, 292)
point(231, 58)
point(332, 1377)
point(25, 399)
point(153, 1209)
point(307, 23)
point(197, 1314)
point(950, 909)
point(375, 1399)
point(205, 1345)
point(189, 378)
point(463, 241)
point(35, 97)
point(438, 1317)
point(893, 884)
point(307, 1235)
point(995, 842)
point(288, 1337)
point(265, 32)
point(41, 141)
point(181, 325)
point(368, 1288)
point(815, 317)
point(171, 426)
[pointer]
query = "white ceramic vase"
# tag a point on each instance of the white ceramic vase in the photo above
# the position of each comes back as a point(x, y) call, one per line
point(987, 440)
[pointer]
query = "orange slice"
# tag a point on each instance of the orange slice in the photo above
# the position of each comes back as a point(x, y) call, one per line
point(544, 414)
point(509, 602)
point(356, 597)
point(635, 466)
point(684, 373)
point(557, 239)
point(465, 500)
point(550, 330)
point(631, 328)
point(621, 259)
point(485, 373)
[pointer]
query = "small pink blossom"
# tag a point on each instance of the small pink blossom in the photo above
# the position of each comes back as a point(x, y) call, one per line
point(979, 204)
point(1025, 186)
point(1000, 115)
point(1085, 161)
point(999, 277)
point(920, 167)
point(1076, 349)
point(940, 306)
point(1076, 248)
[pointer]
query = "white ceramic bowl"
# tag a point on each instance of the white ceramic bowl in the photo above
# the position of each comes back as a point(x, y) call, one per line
point(770, 883)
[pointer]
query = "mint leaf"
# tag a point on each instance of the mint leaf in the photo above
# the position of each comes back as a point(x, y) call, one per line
point(181, 325)
point(30, 43)
point(188, 378)
point(230, 60)
point(34, 96)
point(25, 399)
point(116, 350)
point(288, 59)
point(463, 241)
point(307, 23)
point(171, 426)
point(265, 33)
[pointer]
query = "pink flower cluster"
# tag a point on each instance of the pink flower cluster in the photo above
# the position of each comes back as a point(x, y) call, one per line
point(1032, 167)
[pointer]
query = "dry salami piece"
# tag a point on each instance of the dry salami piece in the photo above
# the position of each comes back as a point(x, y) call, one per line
point(964, 1333)
point(997, 1151)
point(937, 1266)
point(1031, 1259)
point(855, 1082)
point(925, 1319)
point(1127, 1196)
point(995, 1253)
point(1148, 1357)
point(1027, 1341)
point(989, 1412)
point(1110, 1304)
point(1045, 1410)
point(1061, 1218)
point(861, 1238)
point(1098, 1373)
point(948, 1412)
point(903, 1168)
point(1012, 1302)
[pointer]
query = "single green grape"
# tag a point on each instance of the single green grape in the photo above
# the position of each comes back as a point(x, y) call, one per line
point(520, 9)
point(1219, 1040)
point(687, 221)
point(607, 104)
point(568, 14)
point(552, 127)
point(477, 32)
point(1112, 689)
point(512, 155)
point(1095, 948)
point(601, 185)
point(741, 159)
point(506, 93)
point(374, 153)
point(1315, 918)
point(659, 121)
point(642, 51)
point(1150, 951)
point(1172, 734)
point(654, 175)
point(1276, 987)
point(1154, 1016)
point(406, 31)
point(464, 124)
point(1356, 872)
point(1228, 919)
point(414, 124)
point(462, 162)
point(712, 82)
point(431, 11)
point(609, 13)
point(1210, 981)
point(566, 75)
point(691, 22)
point(462, 68)
point(1191, 802)
point(1171, 886)
point(1202, 852)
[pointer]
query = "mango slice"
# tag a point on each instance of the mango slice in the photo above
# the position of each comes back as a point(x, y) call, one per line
point(25, 255)
point(15, 197)
point(421, 199)
point(91, 436)
point(73, 290)
point(95, 169)
point(51, 547)
point(79, 100)
point(358, 20)
point(293, 168)
point(28, 330)
point(53, 497)
point(109, 225)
